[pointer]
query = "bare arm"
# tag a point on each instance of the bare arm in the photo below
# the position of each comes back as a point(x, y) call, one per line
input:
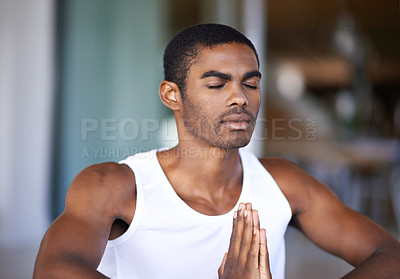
point(74, 244)
point(337, 229)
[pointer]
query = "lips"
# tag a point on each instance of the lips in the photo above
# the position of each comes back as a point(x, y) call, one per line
point(242, 117)
point(237, 121)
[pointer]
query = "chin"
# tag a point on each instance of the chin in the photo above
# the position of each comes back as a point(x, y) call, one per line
point(233, 143)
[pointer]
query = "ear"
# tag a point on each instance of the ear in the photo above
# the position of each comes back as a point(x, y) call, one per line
point(170, 94)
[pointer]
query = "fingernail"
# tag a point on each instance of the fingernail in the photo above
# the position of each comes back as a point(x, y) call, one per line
point(235, 215)
point(254, 231)
point(240, 206)
point(245, 213)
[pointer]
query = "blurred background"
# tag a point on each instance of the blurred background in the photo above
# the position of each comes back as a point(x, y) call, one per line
point(79, 85)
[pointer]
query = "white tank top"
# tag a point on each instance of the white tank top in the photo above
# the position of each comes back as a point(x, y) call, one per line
point(167, 239)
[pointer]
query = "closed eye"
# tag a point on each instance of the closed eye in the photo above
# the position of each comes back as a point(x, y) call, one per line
point(251, 86)
point(215, 86)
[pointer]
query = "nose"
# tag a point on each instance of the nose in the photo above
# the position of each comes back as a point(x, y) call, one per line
point(237, 98)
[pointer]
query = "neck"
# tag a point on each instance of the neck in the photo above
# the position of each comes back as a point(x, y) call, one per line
point(206, 169)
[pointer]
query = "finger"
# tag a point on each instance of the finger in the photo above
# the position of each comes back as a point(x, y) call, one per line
point(265, 272)
point(253, 256)
point(247, 237)
point(256, 220)
point(236, 236)
point(249, 206)
point(231, 240)
point(222, 267)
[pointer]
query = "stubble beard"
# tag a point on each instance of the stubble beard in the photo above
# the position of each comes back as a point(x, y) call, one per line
point(213, 130)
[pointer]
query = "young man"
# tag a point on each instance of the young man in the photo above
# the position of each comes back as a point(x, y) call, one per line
point(169, 213)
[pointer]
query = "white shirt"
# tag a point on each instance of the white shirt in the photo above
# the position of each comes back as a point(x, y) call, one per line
point(168, 239)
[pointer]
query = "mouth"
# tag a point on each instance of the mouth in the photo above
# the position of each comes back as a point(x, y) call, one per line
point(237, 121)
point(236, 125)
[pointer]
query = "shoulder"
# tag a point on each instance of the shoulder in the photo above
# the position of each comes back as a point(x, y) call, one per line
point(106, 188)
point(283, 171)
point(301, 189)
point(103, 174)
point(276, 164)
point(103, 178)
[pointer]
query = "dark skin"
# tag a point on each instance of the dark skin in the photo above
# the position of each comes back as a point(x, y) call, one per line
point(247, 256)
point(101, 200)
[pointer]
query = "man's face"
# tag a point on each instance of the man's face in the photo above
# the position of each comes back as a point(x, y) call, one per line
point(222, 96)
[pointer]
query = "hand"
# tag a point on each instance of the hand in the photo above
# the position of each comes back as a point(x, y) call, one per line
point(247, 257)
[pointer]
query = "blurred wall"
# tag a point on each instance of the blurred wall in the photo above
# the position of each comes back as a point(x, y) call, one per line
point(26, 97)
point(110, 67)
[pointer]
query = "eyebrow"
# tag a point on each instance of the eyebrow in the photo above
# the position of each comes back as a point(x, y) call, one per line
point(228, 76)
point(216, 74)
point(252, 74)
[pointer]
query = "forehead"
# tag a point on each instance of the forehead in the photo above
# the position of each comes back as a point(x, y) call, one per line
point(227, 58)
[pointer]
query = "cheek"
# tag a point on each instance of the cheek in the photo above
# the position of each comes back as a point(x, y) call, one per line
point(255, 100)
point(197, 111)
